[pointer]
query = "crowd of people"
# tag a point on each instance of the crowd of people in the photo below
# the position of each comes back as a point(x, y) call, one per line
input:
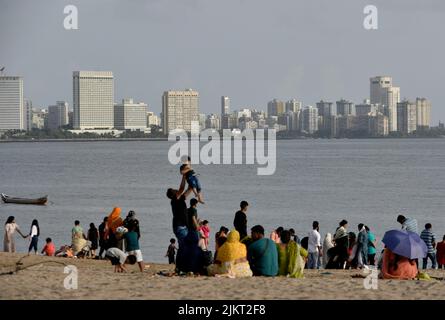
point(117, 239)
point(283, 253)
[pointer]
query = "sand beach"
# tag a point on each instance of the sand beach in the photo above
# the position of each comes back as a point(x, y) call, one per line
point(42, 278)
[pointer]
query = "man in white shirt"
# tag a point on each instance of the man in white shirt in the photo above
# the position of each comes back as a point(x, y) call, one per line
point(314, 247)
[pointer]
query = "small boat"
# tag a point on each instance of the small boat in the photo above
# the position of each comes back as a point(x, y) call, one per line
point(39, 201)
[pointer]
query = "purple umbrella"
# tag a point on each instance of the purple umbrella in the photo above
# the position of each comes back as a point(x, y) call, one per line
point(405, 243)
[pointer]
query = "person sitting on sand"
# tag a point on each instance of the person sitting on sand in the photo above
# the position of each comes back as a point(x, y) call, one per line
point(10, 228)
point(327, 245)
point(192, 181)
point(291, 257)
point(275, 235)
point(221, 237)
point(119, 258)
point(397, 267)
point(49, 249)
point(132, 246)
point(262, 254)
point(231, 259)
point(65, 252)
point(441, 253)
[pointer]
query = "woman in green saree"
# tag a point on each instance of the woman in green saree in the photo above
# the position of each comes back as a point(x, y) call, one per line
point(291, 257)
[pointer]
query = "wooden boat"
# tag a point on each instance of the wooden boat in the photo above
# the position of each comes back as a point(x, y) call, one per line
point(39, 201)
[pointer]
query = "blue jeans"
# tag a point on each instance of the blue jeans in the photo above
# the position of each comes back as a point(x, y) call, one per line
point(181, 233)
point(313, 260)
point(432, 257)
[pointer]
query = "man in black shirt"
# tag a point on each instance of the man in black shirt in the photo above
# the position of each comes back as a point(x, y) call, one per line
point(240, 221)
point(179, 210)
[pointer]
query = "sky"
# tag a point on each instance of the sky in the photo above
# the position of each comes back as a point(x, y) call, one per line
point(250, 50)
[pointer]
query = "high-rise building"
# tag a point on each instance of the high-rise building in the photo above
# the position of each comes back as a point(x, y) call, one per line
point(225, 105)
point(179, 109)
point(58, 115)
point(423, 113)
point(93, 99)
point(293, 105)
point(12, 110)
point(382, 92)
point(406, 117)
point(365, 108)
point(309, 119)
point(39, 119)
point(345, 108)
point(275, 108)
point(28, 114)
point(129, 115)
point(326, 109)
point(213, 121)
point(378, 125)
point(153, 119)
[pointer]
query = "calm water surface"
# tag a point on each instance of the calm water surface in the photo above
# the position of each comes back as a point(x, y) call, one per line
point(368, 181)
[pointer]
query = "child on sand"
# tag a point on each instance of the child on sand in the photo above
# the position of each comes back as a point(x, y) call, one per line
point(192, 180)
point(49, 249)
point(119, 258)
point(171, 251)
point(93, 236)
point(205, 228)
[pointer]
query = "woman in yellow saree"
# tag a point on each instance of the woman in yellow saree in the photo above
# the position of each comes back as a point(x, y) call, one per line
point(231, 259)
point(291, 257)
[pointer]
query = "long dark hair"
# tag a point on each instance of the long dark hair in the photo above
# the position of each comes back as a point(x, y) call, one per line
point(35, 223)
point(10, 220)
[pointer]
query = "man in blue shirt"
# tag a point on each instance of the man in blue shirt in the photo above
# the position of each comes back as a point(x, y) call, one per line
point(262, 254)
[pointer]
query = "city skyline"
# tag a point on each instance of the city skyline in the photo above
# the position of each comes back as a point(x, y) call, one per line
point(276, 55)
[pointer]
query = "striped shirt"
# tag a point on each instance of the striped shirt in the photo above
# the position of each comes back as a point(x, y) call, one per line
point(410, 224)
point(428, 237)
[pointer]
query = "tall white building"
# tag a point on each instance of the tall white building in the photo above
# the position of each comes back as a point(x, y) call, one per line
point(179, 109)
point(225, 105)
point(12, 109)
point(345, 108)
point(423, 113)
point(129, 115)
point(406, 117)
point(382, 92)
point(309, 119)
point(93, 100)
point(153, 119)
point(58, 115)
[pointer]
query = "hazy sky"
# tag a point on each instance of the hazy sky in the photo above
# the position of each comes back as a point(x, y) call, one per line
point(250, 50)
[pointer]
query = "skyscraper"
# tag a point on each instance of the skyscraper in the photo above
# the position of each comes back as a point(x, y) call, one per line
point(28, 114)
point(12, 110)
point(345, 108)
point(406, 117)
point(293, 105)
point(225, 105)
point(275, 108)
point(179, 109)
point(423, 113)
point(129, 115)
point(93, 99)
point(382, 92)
point(58, 115)
point(309, 119)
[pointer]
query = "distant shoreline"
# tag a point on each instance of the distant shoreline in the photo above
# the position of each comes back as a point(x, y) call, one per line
point(166, 139)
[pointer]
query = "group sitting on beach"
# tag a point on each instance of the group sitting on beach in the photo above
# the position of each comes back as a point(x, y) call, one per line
point(238, 254)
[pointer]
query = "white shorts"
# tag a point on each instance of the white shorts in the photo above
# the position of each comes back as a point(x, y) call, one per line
point(138, 254)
